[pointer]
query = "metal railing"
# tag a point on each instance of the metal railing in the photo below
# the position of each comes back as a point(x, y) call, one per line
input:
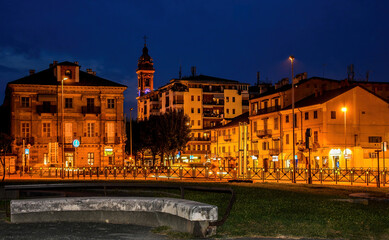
point(361, 176)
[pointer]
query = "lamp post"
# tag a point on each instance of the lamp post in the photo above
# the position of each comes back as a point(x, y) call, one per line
point(63, 130)
point(344, 110)
point(291, 58)
point(131, 134)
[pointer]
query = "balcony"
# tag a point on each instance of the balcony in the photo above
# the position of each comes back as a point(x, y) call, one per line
point(27, 140)
point(264, 133)
point(90, 110)
point(266, 110)
point(200, 139)
point(227, 137)
point(46, 109)
point(274, 152)
point(212, 115)
point(220, 102)
point(111, 140)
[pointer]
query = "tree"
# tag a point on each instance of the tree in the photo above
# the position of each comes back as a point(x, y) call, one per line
point(5, 146)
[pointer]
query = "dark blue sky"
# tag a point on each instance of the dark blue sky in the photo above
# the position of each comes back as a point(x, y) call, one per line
point(229, 39)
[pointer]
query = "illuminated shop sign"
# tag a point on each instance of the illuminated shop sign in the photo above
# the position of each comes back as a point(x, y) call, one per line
point(108, 151)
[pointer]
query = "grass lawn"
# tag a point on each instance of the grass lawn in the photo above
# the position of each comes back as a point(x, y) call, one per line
point(296, 210)
point(300, 211)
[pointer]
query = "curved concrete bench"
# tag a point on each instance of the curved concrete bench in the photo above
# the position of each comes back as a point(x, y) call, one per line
point(179, 214)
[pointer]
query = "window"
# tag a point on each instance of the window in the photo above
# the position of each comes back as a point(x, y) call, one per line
point(91, 158)
point(275, 123)
point(375, 139)
point(333, 114)
point(227, 99)
point(111, 160)
point(287, 139)
point(25, 102)
point(46, 129)
point(315, 136)
point(233, 99)
point(25, 130)
point(90, 104)
point(111, 103)
point(68, 73)
point(372, 155)
point(91, 130)
point(223, 149)
point(46, 158)
point(110, 132)
point(264, 145)
point(233, 111)
point(192, 122)
point(307, 116)
point(68, 102)
point(198, 110)
point(287, 118)
point(198, 98)
point(314, 114)
point(192, 98)
point(192, 110)
point(228, 111)
point(199, 122)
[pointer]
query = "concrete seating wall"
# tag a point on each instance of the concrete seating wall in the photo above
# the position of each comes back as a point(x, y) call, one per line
point(179, 214)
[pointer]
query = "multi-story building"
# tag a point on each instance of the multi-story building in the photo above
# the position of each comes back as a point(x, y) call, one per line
point(206, 100)
point(51, 109)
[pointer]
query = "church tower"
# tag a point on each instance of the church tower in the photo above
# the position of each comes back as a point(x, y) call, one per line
point(145, 73)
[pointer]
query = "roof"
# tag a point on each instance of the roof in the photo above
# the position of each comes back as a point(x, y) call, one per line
point(289, 86)
point(46, 77)
point(206, 78)
point(325, 97)
point(235, 121)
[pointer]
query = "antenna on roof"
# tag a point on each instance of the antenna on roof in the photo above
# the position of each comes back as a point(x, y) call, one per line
point(350, 72)
point(180, 72)
point(258, 75)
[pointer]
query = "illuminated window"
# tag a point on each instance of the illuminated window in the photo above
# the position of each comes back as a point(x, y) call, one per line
point(46, 158)
point(25, 130)
point(91, 158)
point(111, 103)
point(333, 114)
point(46, 129)
point(68, 103)
point(25, 102)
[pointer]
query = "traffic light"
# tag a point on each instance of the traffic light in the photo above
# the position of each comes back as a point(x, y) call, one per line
point(308, 134)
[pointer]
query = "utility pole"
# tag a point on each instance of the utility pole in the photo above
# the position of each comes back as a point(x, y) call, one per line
point(291, 58)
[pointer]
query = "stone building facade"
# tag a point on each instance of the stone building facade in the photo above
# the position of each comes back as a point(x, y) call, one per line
point(66, 117)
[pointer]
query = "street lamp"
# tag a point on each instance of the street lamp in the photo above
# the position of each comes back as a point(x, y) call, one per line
point(344, 110)
point(63, 130)
point(131, 134)
point(291, 58)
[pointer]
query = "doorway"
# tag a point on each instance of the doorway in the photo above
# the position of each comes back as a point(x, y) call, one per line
point(69, 159)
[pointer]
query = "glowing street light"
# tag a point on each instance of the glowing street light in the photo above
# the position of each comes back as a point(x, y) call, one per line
point(63, 130)
point(291, 58)
point(344, 110)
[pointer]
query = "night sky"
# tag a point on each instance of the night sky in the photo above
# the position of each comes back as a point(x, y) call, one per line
point(228, 39)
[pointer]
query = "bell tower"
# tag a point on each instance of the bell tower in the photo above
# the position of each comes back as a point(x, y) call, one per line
point(145, 72)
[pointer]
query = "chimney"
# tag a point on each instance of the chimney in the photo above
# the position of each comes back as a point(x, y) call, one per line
point(89, 70)
point(55, 63)
point(32, 71)
point(76, 62)
point(193, 70)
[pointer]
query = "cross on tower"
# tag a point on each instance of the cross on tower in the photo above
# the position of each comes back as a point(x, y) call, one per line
point(145, 38)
